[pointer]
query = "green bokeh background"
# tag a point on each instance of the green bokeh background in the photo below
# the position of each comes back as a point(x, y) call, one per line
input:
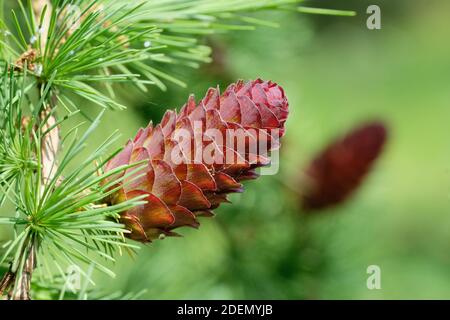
point(336, 73)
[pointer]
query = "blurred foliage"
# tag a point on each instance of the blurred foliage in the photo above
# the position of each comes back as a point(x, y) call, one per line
point(336, 73)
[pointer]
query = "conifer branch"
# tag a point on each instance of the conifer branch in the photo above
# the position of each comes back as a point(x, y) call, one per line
point(49, 131)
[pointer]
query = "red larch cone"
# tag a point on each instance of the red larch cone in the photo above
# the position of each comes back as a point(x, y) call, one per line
point(180, 185)
point(340, 168)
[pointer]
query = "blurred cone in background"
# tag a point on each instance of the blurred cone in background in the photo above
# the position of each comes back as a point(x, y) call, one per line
point(339, 169)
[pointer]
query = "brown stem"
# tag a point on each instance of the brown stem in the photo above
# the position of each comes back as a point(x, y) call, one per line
point(22, 289)
point(6, 282)
point(50, 145)
point(49, 150)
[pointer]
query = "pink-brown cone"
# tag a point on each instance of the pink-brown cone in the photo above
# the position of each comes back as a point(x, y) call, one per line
point(178, 186)
point(339, 169)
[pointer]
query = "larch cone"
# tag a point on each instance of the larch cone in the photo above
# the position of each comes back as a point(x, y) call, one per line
point(338, 170)
point(194, 158)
